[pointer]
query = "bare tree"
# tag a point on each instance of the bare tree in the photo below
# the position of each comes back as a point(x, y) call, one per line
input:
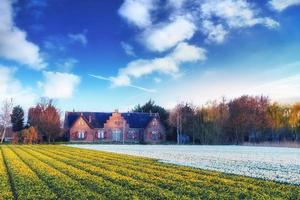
point(5, 116)
point(175, 120)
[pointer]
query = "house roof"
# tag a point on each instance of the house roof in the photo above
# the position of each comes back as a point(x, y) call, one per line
point(135, 120)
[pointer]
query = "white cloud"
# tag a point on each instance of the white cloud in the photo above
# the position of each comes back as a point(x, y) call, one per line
point(214, 18)
point(13, 41)
point(169, 64)
point(128, 49)
point(157, 80)
point(142, 67)
point(187, 53)
point(235, 13)
point(164, 36)
point(229, 15)
point(270, 23)
point(138, 12)
point(58, 85)
point(284, 89)
point(215, 33)
point(281, 5)
point(122, 81)
point(54, 46)
point(176, 3)
point(280, 85)
point(67, 64)
point(10, 87)
point(78, 37)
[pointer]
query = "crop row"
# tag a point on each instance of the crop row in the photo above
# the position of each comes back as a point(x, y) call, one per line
point(60, 172)
point(92, 182)
point(168, 176)
point(127, 182)
point(64, 186)
point(27, 184)
point(5, 191)
point(174, 183)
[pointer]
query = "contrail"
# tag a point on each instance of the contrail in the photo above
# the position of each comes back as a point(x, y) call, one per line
point(142, 88)
point(130, 85)
point(101, 77)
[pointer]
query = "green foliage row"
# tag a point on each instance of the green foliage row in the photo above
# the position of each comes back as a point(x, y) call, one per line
point(95, 183)
point(27, 184)
point(64, 186)
point(6, 192)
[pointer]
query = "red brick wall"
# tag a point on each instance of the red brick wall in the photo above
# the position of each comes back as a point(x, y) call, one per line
point(81, 125)
point(115, 121)
point(154, 125)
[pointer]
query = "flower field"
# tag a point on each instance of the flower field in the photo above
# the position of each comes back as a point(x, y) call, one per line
point(61, 172)
point(270, 163)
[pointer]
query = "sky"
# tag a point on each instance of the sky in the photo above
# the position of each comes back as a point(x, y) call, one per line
point(105, 55)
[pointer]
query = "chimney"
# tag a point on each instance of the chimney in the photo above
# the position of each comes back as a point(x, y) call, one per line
point(90, 119)
point(116, 110)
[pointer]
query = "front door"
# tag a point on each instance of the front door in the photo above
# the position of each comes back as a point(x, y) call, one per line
point(116, 135)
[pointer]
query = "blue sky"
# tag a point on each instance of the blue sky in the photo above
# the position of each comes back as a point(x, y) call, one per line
point(102, 55)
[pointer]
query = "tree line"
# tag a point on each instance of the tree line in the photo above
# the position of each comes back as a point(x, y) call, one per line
point(43, 122)
point(244, 119)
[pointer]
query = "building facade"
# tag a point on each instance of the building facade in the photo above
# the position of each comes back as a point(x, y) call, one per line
point(114, 127)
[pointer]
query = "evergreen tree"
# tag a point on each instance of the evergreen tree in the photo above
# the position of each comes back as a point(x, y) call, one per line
point(151, 107)
point(17, 118)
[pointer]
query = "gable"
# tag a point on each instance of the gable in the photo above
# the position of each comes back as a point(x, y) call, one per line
point(154, 123)
point(115, 120)
point(97, 119)
point(81, 122)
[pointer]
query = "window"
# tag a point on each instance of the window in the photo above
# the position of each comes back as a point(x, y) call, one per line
point(118, 123)
point(154, 135)
point(131, 134)
point(154, 123)
point(81, 134)
point(100, 134)
point(116, 135)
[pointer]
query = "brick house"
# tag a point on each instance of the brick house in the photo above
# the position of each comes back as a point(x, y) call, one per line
point(114, 127)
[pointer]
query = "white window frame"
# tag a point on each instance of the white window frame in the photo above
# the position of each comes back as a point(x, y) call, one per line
point(116, 134)
point(154, 133)
point(100, 134)
point(131, 133)
point(81, 134)
point(154, 122)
